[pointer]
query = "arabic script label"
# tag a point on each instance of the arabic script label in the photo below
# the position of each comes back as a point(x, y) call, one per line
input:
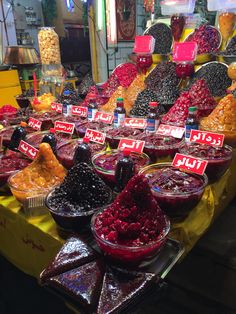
point(188, 163)
point(79, 111)
point(35, 124)
point(56, 107)
point(64, 127)
point(104, 117)
point(131, 145)
point(27, 149)
point(170, 130)
point(136, 123)
point(207, 138)
point(95, 136)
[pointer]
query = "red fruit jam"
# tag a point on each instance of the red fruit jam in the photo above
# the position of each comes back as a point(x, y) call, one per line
point(81, 129)
point(219, 158)
point(113, 136)
point(35, 139)
point(47, 119)
point(65, 153)
point(158, 146)
point(9, 165)
point(132, 229)
point(176, 192)
point(7, 112)
point(7, 132)
point(105, 164)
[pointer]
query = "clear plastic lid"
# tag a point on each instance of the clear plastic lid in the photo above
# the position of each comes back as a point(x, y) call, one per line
point(220, 5)
point(169, 7)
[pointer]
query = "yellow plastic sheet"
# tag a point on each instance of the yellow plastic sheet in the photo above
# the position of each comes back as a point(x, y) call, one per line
point(30, 243)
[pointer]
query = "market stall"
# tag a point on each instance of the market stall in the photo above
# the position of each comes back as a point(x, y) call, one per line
point(112, 184)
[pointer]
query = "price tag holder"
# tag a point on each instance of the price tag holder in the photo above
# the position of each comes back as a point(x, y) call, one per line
point(131, 145)
point(79, 111)
point(188, 163)
point(170, 130)
point(104, 117)
point(95, 136)
point(56, 107)
point(136, 123)
point(28, 150)
point(207, 138)
point(64, 127)
point(35, 124)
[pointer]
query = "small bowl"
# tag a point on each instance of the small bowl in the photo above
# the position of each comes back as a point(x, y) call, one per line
point(108, 176)
point(35, 138)
point(74, 222)
point(22, 194)
point(176, 205)
point(131, 255)
point(216, 167)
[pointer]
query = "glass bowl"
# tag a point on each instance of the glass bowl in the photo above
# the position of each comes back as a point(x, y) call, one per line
point(35, 138)
point(72, 221)
point(131, 255)
point(219, 158)
point(114, 135)
point(65, 153)
point(108, 173)
point(175, 203)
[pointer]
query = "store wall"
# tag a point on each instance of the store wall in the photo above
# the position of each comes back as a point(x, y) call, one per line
point(125, 48)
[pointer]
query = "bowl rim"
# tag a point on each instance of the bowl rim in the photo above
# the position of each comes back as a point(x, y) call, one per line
point(81, 214)
point(174, 193)
point(165, 230)
point(112, 172)
point(228, 147)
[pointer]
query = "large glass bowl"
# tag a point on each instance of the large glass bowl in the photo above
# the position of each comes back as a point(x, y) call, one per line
point(107, 172)
point(219, 159)
point(176, 204)
point(72, 221)
point(131, 255)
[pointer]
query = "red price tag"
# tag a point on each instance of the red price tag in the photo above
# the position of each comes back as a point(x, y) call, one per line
point(28, 150)
point(136, 123)
point(95, 136)
point(64, 127)
point(79, 111)
point(131, 145)
point(35, 124)
point(189, 163)
point(208, 138)
point(170, 130)
point(104, 117)
point(56, 107)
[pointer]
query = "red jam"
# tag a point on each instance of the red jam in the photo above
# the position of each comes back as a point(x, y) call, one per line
point(113, 136)
point(133, 220)
point(47, 119)
point(7, 132)
point(219, 158)
point(35, 139)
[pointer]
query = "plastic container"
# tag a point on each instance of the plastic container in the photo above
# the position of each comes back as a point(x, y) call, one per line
point(184, 7)
point(220, 5)
point(174, 203)
point(134, 255)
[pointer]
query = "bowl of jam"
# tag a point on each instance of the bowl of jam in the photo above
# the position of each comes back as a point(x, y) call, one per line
point(218, 158)
point(159, 146)
point(177, 192)
point(47, 119)
point(65, 153)
point(36, 138)
point(105, 163)
point(114, 135)
point(7, 132)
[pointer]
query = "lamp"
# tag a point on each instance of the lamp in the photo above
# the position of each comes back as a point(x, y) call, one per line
point(21, 55)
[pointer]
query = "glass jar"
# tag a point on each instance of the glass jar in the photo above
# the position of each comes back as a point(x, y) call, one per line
point(49, 46)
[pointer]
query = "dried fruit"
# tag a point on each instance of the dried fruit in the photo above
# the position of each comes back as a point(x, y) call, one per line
point(163, 35)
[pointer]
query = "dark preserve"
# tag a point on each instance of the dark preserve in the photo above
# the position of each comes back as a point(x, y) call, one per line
point(119, 113)
point(191, 122)
point(153, 118)
point(124, 171)
point(51, 139)
point(92, 107)
point(18, 135)
point(83, 152)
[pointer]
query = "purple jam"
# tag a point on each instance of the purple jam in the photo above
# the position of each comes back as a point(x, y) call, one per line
point(65, 153)
point(176, 192)
point(219, 158)
point(113, 136)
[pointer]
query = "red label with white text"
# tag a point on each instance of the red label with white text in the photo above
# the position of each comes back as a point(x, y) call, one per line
point(56, 107)
point(79, 111)
point(208, 138)
point(35, 124)
point(170, 130)
point(136, 123)
point(131, 145)
point(64, 127)
point(27, 149)
point(95, 136)
point(104, 117)
point(189, 163)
